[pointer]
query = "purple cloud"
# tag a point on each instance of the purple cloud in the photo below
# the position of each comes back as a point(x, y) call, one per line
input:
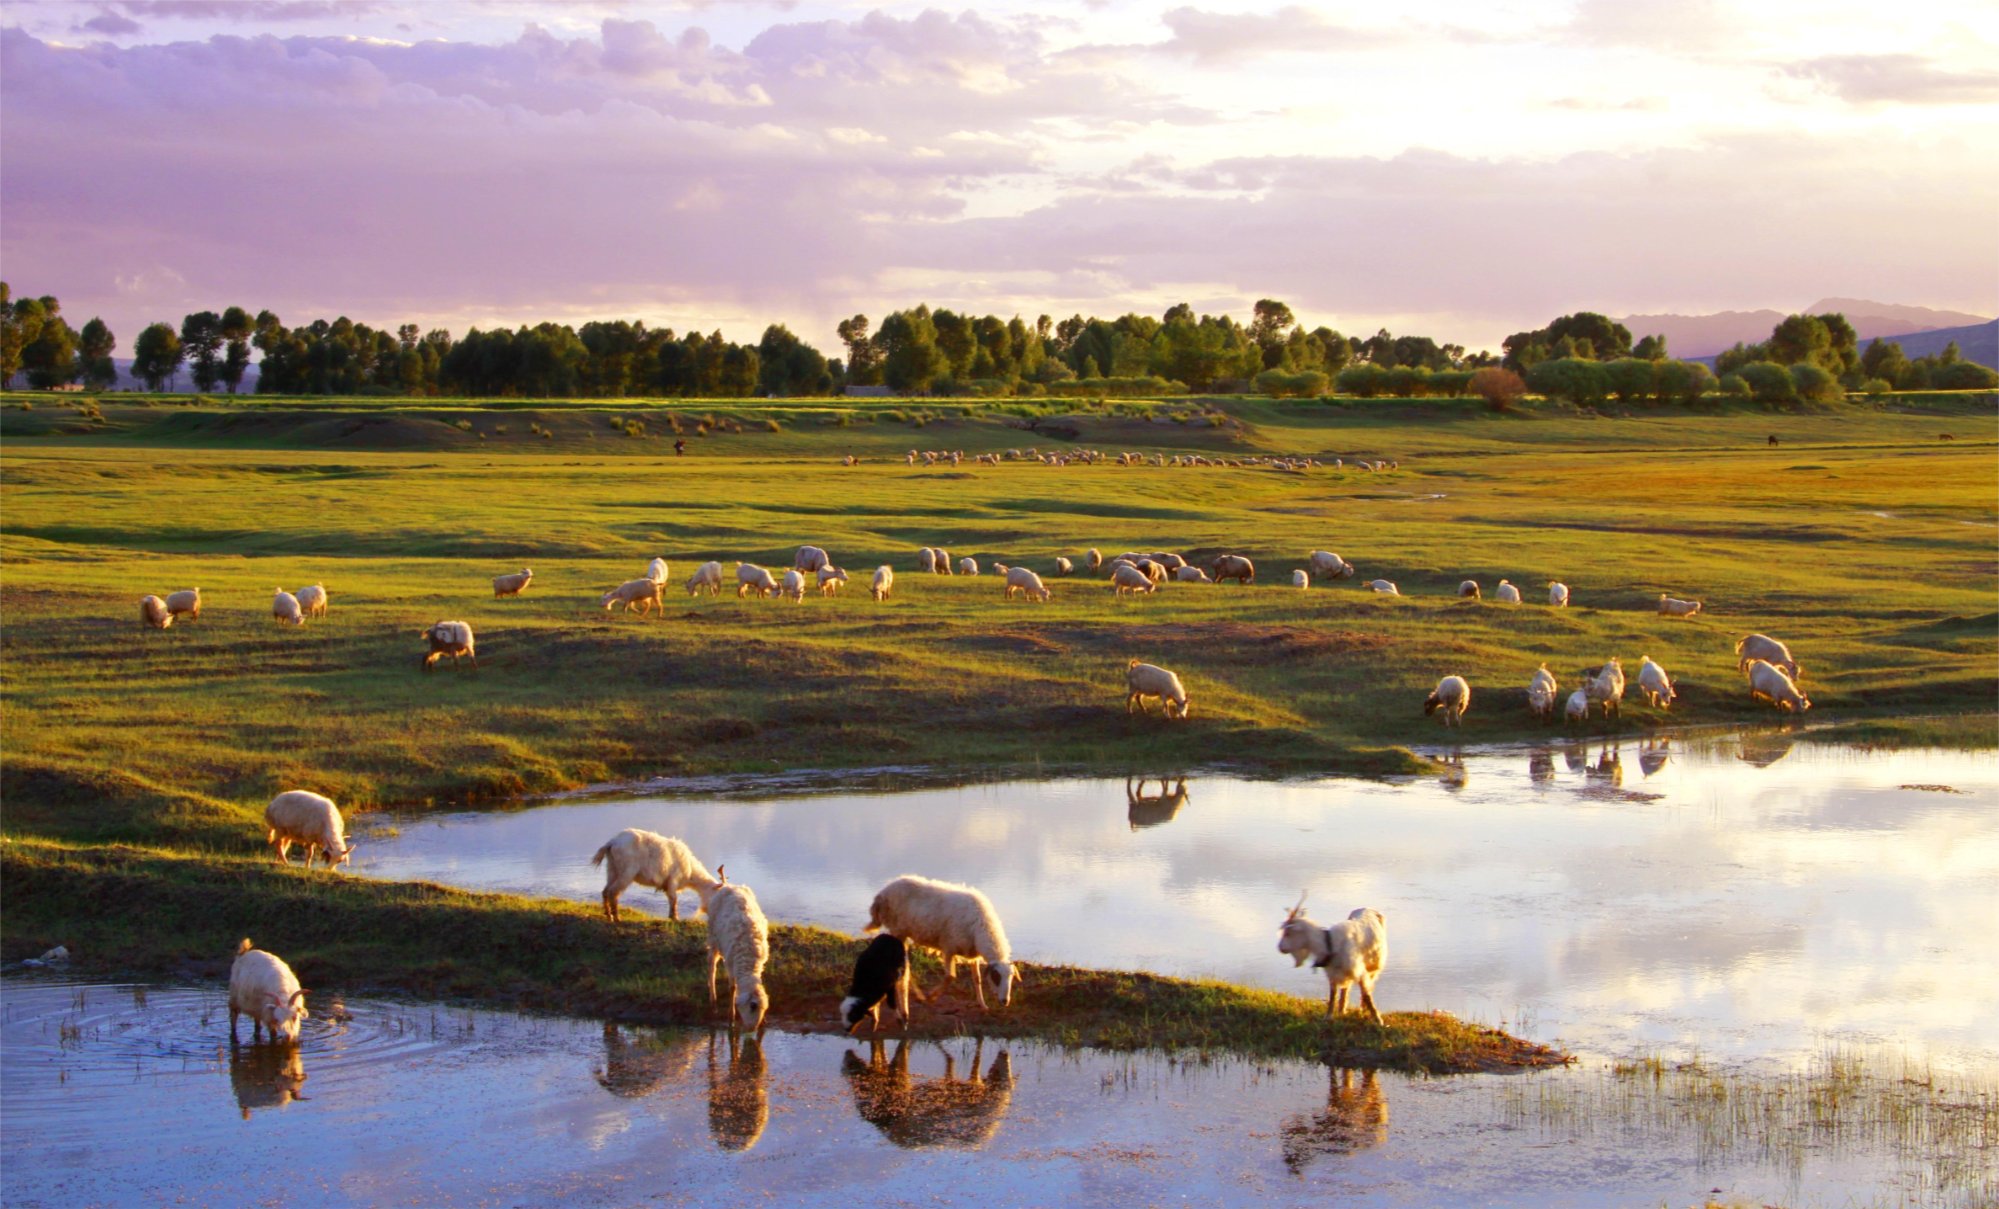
point(1896, 79)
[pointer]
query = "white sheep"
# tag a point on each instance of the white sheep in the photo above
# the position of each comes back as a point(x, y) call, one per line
point(1063, 566)
point(1668, 607)
point(453, 638)
point(1577, 709)
point(739, 937)
point(957, 923)
point(513, 585)
point(1383, 587)
point(285, 607)
point(153, 613)
point(312, 600)
point(649, 859)
point(926, 560)
point(1558, 595)
point(1145, 680)
point(1542, 692)
point(657, 571)
point(1506, 593)
point(1468, 590)
point(968, 566)
point(1351, 952)
point(831, 579)
point(642, 592)
point(1760, 646)
point(1092, 560)
point(1654, 685)
point(1192, 575)
point(708, 576)
point(1172, 562)
point(1607, 687)
point(188, 601)
point(299, 816)
point(810, 559)
point(750, 577)
point(792, 586)
point(884, 580)
point(1326, 564)
point(263, 987)
point(1026, 582)
point(1301, 579)
point(1127, 578)
point(943, 565)
point(1767, 682)
point(1453, 696)
point(1232, 566)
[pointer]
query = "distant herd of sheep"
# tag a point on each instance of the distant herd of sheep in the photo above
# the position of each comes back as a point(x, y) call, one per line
point(1097, 457)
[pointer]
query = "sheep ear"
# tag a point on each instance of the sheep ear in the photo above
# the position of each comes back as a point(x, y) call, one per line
point(1020, 973)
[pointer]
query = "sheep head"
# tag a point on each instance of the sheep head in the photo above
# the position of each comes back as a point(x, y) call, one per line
point(751, 1005)
point(283, 1016)
point(999, 978)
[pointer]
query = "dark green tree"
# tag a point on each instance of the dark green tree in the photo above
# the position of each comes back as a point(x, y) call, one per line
point(157, 356)
point(51, 358)
point(235, 328)
point(1651, 348)
point(863, 358)
point(201, 340)
point(94, 346)
point(20, 325)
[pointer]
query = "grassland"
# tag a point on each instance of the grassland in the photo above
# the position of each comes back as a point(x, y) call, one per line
point(1863, 539)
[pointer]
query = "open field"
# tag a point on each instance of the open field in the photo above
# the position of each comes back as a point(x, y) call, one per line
point(1863, 540)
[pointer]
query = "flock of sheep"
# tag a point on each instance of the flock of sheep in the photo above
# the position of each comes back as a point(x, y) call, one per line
point(1097, 457)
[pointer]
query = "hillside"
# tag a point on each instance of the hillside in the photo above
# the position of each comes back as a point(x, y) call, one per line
point(1698, 336)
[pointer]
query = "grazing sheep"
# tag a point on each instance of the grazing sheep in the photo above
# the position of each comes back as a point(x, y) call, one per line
point(1668, 607)
point(1453, 696)
point(881, 975)
point(1468, 590)
point(1558, 595)
point(1020, 579)
point(1770, 651)
point(1127, 578)
point(1327, 565)
point(1351, 952)
point(968, 566)
point(1063, 566)
point(830, 580)
point(513, 585)
point(153, 613)
point(810, 559)
point(943, 560)
point(1577, 709)
point(657, 571)
point(1506, 593)
point(1192, 575)
point(1767, 682)
point(649, 859)
point(1092, 560)
point(709, 576)
point(739, 937)
point(284, 607)
point(1607, 687)
point(1653, 684)
point(1156, 572)
point(1143, 680)
point(263, 987)
point(188, 601)
point(1232, 566)
point(1172, 562)
point(848, 460)
point(884, 580)
point(642, 592)
point(312, 600)
point(749, 576)
point(792, 587)
point(1301, 579)
point(299, 816)
point(1384, 587)
point(453, 638)
point(957, 923)
point(926, 560)
point(1542, 692)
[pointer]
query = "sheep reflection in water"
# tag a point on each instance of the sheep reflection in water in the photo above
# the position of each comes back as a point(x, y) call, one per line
point(738, 1098)
point(1609, 765)
point(265, 1076)
point(646, 1062)
point(1576, 757)
point(1455, 774)
point(1150, 810)
point(918, 1113)
point(1355, 1118)
point(1653, 754)
point(1765, 749)
point(1540, 766)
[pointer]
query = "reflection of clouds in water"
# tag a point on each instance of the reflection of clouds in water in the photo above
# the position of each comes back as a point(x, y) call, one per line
point(1355, 1118)
point(916, 1113)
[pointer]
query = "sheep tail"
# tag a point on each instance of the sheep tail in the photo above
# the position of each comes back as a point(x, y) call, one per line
point(1134, 662)
point(244, 947)
point(601, 854)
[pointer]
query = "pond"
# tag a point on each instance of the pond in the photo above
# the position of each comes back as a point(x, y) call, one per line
point(1738, 899)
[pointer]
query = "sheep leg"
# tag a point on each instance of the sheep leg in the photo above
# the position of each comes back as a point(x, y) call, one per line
point(610, 897)
point(902, 999)
point(713, 958)
point(1367, 1000)
point(232, 1023)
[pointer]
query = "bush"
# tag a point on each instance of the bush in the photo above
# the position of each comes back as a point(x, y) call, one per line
point(1876, 387)
point(1500, 388)
point(1569, 378)
point(1630, 379)
point(1407, 381)
point(1964, 375)
point(1279, 385)
point(1680, 381)
point(1814, 384)
point(1127, 388)
point(1366, 380)
point(1768, 382)
point(1450, 383)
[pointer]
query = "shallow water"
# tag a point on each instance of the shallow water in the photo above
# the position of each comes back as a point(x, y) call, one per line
point(1744, 899)
point(134, 1095)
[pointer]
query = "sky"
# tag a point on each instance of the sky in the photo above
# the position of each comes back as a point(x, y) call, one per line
point(1458, 170)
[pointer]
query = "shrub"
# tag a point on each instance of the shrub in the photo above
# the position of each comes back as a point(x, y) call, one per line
point(894, 416)
point(1366, 380)
point(1279, 385)
point(1630, 379)
point(1407, 381)
point(1451, 383)
point(1964, 375)
point(1500, 388)
point(1117, 387)
point(1814, 384)
point(1571, 379)
point(1876, 387)
point(1683, 381)
point(1768, 382)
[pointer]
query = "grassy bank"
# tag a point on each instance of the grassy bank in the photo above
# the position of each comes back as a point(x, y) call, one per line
point(129, 911)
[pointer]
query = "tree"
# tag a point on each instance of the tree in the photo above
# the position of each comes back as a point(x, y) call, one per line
point(201, 342)
point(94, 347)
point(1814, 384)
point(1651, 348)
point(863, 359)
point(1365, 380)
point(908, 344)
point(1883, 359)
point(20, 325)
point(51, 359)
point(1768, 382)
point(1681, 381)
point(1732, 359)
point(1272, 319)
point(1500, 388)
point(1575, 379)
point(235, 328)
point(157, 356)
point(789, 366)
point(1630, 378)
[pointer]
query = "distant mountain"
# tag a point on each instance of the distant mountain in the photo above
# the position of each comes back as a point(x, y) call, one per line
point(127, 382)
point(1978, 342)
point(1698, 336)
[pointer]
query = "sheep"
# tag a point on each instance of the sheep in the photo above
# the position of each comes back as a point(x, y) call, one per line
point(1327, 565)
point(1506, 593)
point(1143, 680)
point(649, 859)
point(1384, 587)
point(792, 586)
point(957, 923)
point(915, 1114)
point(1351, 952)
point(848, 460)
point(1770, 651)
point(881, 975)
point(188, 601)
point(299, 816)
point(926, 560)
point(1092, 560)
point(1156, 572)
point(1607, 686)
point(739, 936)
point(1301, 579)
point(1542, 692)
point(810, 559)
point(1668, 607)
point(1558, 595)
point(1654, 685)
point(1172, 562)
point(657, 571)
point(830, 579)
point(1577, 709)
point(1468, 590)
point(750, 576)
point(1026, 582)
point(1063, 566)
point(1232, 566)
point(263, 987)
point(1767, 682)
point(1192, 575)
point(1127, 578)
point(884, 580)
point(1453, 696)
point(285, 608)
point(153, 613)
point(968, 566)
point(453, 638)
point(943, 566)
point(513, 585)
point(312, 600)
point(642, 592)
point(707, 576)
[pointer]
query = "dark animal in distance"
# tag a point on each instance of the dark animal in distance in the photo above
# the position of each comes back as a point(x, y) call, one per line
point(1773, 438)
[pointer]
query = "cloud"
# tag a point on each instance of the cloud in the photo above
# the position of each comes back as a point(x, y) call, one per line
point(1657, 25)
point(250, 11)
point(108, 23)
point(1648, 104)
point(1211, 38)
point(1896, 79)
